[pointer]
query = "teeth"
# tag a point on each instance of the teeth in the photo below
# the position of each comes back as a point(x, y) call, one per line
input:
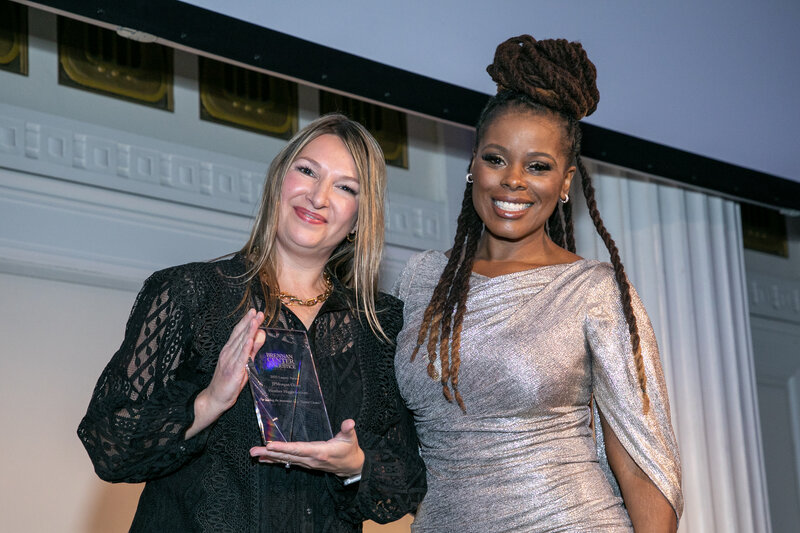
point(512, 206)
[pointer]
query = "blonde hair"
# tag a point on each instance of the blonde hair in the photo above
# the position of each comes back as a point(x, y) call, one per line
point(356, 263)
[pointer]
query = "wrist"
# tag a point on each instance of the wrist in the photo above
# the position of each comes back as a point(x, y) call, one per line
point(205, 406)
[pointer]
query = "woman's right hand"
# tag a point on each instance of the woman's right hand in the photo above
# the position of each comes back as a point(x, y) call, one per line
point(230, 376)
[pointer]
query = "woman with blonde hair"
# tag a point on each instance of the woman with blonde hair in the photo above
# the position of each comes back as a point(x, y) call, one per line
point(171, 408)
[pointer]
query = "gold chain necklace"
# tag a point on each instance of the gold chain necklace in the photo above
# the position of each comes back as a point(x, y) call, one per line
point(290, 299)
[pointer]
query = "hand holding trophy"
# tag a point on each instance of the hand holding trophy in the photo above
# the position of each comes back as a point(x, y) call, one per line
point(288, 399)
point(291, 410)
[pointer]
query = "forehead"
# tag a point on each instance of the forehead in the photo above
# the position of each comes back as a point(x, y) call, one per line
point(329, 151)
point(516, 127)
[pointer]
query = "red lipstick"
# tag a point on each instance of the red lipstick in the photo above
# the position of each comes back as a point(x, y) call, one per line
point(309, 216)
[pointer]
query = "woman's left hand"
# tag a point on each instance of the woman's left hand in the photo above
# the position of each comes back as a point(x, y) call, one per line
point(341, 455)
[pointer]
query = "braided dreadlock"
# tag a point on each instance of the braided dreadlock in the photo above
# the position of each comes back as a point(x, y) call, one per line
point(552, 78)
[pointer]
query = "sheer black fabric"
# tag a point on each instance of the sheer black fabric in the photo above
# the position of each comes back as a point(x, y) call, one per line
point(143, 404)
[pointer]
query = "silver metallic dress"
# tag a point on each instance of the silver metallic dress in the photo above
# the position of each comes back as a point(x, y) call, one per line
point(535, 345)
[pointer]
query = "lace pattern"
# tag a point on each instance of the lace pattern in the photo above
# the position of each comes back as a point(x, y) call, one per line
point(143, 404)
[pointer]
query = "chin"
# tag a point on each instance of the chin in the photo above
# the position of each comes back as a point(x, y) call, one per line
point(513, 234)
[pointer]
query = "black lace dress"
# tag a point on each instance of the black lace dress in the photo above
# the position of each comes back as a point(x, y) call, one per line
point(143, 403)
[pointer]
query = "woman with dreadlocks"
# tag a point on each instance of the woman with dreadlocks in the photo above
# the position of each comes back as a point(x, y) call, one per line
point(514, 346)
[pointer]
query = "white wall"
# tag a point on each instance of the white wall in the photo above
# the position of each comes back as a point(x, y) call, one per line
point(57, 336)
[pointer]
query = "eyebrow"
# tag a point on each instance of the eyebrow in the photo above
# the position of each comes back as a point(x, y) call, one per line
point(309, 159)
point(315, 163)
point(529, 154)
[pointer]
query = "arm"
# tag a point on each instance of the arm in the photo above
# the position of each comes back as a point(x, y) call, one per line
point(143, 402)
point(392, 481)
point(149, 412)
point(649, 510)
point(393, 475)
point(641, 447)
point(230, 375)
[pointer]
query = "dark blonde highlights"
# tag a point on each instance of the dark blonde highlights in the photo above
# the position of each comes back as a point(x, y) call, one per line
point(355, 263)
point(553, 78)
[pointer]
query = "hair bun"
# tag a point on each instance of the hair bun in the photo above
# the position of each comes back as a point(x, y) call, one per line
point(553, 72)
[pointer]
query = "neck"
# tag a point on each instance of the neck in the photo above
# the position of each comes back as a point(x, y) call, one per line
point(300, 275)
point(534, 249)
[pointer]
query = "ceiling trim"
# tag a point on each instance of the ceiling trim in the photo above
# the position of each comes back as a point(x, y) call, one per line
point(202, 31)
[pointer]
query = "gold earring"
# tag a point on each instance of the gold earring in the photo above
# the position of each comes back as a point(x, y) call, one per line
point(351, 237)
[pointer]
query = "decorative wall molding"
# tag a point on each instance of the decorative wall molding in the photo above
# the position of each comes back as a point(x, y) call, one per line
point(83, 234)
point(80, 152)
point(73, 192)
point(416, 223)
point(773, 297)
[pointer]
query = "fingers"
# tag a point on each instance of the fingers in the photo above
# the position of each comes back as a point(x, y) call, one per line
point(242, 339)
point(307, 455)
point(251, 340)
point(348, 427)
point(230, 375)
point(347, 432)
point(258, 340)
point(341, 455)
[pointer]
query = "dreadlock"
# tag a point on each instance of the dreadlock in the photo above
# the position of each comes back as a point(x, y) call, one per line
point(553, 78)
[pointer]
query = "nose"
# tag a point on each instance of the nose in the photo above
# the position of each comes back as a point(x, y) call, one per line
point(318, 194)
point(513, 179)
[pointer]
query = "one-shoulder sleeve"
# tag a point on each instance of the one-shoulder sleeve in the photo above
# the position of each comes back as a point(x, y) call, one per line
point(648, 439)
point(143, 402)
point(402, 285)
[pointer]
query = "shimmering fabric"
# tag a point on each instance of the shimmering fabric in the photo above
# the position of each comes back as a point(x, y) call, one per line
point(534, 346)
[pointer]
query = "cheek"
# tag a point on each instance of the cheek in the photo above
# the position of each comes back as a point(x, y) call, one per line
point(347, 209)
point(480, 198)
point(292, 186)
point(550, 190)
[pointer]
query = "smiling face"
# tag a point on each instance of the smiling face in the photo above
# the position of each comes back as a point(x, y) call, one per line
point(520, 170)
point(319, 199)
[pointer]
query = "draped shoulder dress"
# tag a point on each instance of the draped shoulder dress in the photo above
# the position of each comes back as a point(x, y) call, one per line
point(535, 346)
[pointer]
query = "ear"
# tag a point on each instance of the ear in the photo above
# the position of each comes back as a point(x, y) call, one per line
point(568, 175)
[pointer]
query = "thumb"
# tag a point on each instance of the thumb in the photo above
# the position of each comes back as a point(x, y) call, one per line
point(348, 430)
point(258, 341)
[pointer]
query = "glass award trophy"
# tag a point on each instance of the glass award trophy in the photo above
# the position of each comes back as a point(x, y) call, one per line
point(285, 386)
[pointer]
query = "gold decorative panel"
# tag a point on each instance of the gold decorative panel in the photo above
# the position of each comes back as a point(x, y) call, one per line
point(13, 37)
point(246, 99)
point(99, 60)
point(386, 125)
point(764, 230)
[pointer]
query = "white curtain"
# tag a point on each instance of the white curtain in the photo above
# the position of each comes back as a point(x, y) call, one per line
point(683, 252)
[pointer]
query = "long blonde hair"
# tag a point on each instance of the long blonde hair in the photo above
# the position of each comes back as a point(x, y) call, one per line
point(356, 263)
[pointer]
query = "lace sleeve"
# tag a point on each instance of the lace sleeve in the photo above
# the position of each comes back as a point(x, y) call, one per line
point(393, 477)
point(141, 406)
